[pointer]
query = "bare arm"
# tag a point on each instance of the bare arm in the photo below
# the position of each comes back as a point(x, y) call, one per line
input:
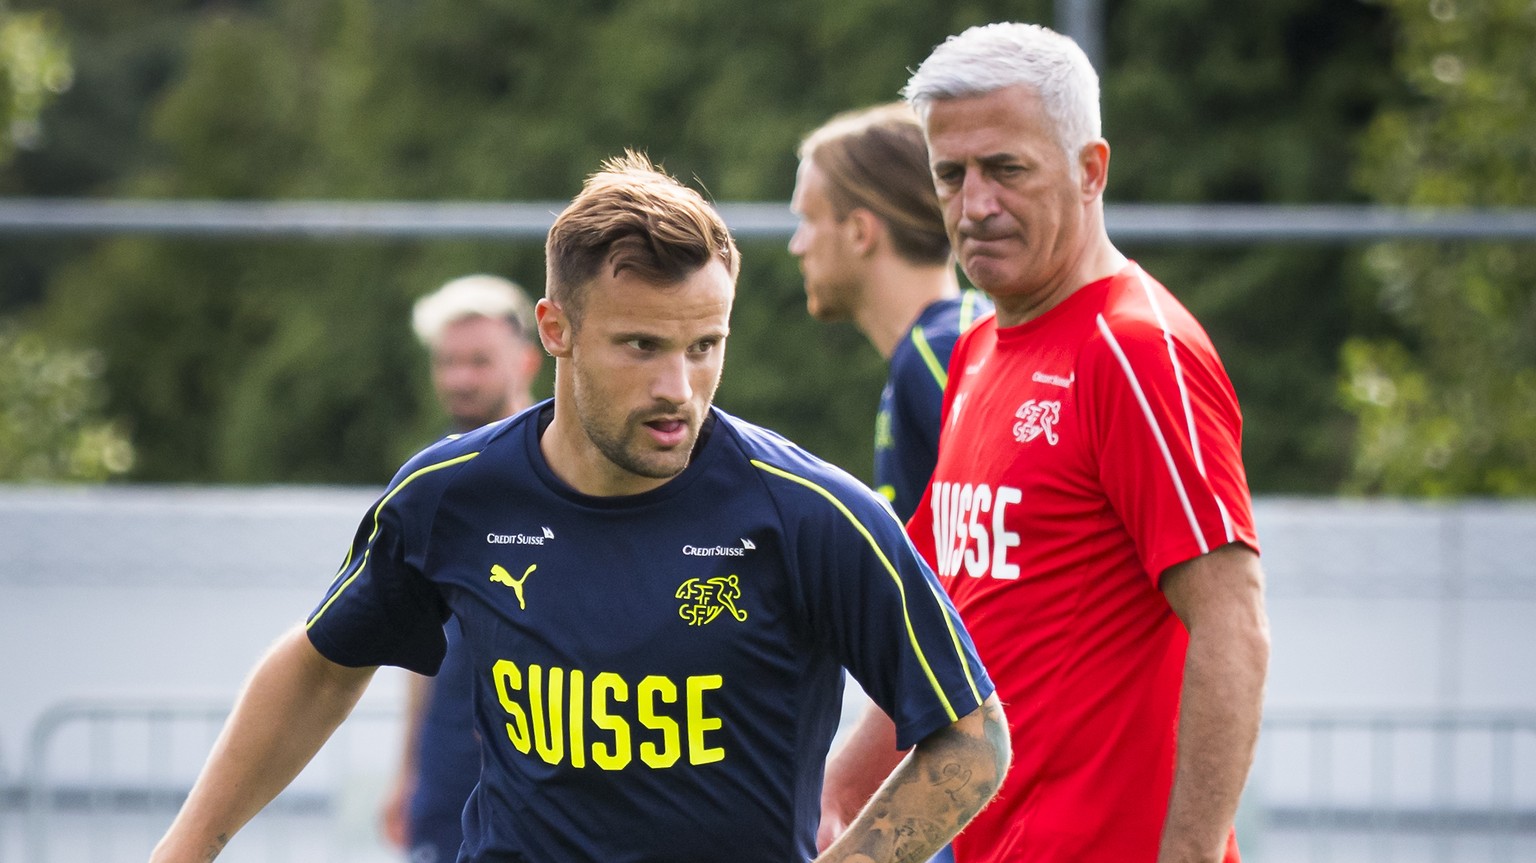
point(418, 689)
point(855, 771)
point(290, 706)
point(1220, 598)
point(935, 791)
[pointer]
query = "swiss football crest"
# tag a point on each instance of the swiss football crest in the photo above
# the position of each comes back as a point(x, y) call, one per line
point(1035, 418)
point(704, 599)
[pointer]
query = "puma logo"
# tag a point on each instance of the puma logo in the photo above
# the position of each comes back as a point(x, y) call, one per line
point(501, 576)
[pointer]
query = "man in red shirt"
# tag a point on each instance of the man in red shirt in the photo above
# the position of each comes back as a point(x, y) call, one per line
point(1089, 512)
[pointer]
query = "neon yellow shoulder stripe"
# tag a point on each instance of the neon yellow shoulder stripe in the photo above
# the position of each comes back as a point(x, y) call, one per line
point(967, 309)
point(935, 367)
point(901, 590)
point(376, 510)
point(954, 638)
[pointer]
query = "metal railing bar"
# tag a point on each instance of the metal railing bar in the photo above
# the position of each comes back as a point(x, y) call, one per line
point(1128, 222)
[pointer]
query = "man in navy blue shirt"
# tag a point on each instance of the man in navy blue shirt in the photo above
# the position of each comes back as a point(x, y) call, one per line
point(479, 331)
point(657, 598)
point(872, 246)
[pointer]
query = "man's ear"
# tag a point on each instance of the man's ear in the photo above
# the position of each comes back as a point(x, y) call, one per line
point(864, 231)
point(1093, 163)
point(555, 328)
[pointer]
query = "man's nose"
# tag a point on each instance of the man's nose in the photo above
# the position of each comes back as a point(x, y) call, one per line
point(978, 198)
point(797, 241)
point(671, 383)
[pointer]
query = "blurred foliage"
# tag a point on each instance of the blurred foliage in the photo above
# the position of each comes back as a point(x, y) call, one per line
point(123, 55)
point(34, 67)
point(1450, 407)
point(50, 398)
point(49, 403)
point(292, 361)
point(1255, 103)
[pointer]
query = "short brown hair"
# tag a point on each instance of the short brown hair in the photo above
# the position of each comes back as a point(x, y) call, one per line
point(876, 159)
point(633, 216)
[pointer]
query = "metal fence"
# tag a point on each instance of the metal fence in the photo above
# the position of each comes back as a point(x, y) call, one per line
point(103, 779)
point(1379, 787)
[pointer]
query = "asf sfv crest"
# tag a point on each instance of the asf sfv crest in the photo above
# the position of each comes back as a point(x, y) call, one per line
point(704, 599)
point(1036, 418)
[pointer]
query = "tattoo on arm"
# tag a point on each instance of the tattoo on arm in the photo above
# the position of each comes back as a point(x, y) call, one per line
point(923, 804)
point(217, 847)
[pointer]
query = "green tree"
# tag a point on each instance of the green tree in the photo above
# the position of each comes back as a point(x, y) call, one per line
point(90, 137)
point(1450, 407)
point(50, 427)
point(291, 361)
point(50, 424)
point(1255, 103)
point(34, 67)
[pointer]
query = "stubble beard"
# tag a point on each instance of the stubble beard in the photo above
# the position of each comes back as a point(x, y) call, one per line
point(627, 457)
point(618, 445)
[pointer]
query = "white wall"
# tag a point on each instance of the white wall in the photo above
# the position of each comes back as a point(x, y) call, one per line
point(147, 593)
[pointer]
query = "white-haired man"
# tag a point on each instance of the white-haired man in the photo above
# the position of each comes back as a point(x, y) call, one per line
point(479, 330)
point(1089, 512)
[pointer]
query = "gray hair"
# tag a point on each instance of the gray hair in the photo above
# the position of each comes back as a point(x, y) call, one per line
point(477, 296)
point(994, 56)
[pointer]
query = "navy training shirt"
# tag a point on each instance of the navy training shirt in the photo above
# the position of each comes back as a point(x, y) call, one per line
point(907, 427)
point(656, 676)
point(447, 758)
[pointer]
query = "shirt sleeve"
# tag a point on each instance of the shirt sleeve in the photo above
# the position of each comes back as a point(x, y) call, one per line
point(916, 397)
point(920, 521)
point(1168, 432)
point(380, 609)
point(877, 604)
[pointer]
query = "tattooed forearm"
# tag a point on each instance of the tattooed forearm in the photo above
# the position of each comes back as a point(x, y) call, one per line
point(216, 847)
point(936, 791)
point(903, 839)
point(969, 762)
